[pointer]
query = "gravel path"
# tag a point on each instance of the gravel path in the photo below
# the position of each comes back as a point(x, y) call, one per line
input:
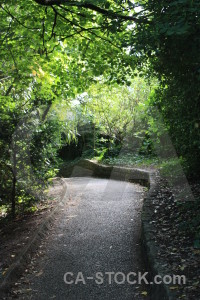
point(98, 230)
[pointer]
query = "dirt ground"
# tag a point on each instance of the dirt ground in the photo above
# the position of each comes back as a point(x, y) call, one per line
point(16, 234)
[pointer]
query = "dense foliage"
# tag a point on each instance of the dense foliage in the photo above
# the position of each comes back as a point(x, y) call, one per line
point(51, 51)
point(172, 43)
point(116, 115)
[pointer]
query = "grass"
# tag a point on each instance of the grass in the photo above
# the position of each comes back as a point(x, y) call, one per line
point(132, 160)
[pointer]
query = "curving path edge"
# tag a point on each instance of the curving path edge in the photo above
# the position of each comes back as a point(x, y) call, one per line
point(146, 178)
point(83, 168)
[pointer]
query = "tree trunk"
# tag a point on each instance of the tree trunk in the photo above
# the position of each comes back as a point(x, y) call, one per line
point(14, 181)
point(13, 202)
point(94, 139)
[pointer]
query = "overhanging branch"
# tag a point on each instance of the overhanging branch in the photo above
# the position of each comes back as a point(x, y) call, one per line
point(90, 6)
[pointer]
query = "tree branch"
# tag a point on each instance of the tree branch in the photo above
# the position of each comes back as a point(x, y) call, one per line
point(17, 20)
point(54, 24)
point(90, 6)
point(73, 23)
point(82, 29)
point(45, 113)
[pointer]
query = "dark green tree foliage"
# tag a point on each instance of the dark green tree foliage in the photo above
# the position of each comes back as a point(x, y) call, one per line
point(165, 41)
point(171, 43)
point(48, 54)
point(28, 156)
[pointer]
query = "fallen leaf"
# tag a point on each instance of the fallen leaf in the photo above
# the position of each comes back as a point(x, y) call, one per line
point(173, 287)
point(39, 274)
point(144, 293)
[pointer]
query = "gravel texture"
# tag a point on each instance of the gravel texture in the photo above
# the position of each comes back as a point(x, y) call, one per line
point(98, 229)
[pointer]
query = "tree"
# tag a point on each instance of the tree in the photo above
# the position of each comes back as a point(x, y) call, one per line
point(170, 42)
point(115, 108)
point(57, 49)
point(111, 116)
point(44, 65)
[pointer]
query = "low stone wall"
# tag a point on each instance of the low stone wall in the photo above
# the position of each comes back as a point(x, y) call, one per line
point(145, 178)
point(89, 168)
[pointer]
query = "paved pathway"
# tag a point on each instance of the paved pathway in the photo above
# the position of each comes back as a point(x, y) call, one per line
point(98, 230)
